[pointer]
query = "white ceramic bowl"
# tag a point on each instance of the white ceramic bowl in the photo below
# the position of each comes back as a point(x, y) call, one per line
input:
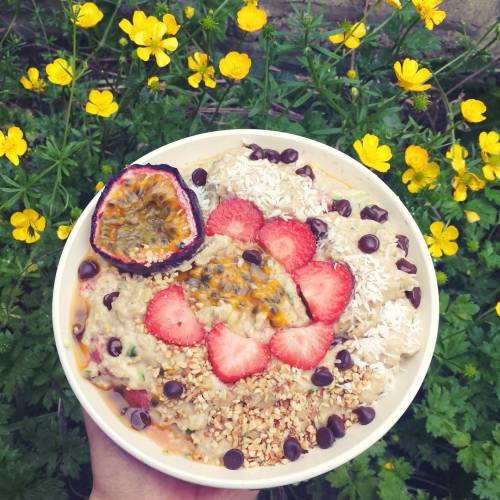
point(318, 461)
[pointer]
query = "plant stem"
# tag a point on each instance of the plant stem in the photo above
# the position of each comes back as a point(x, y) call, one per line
point(448, 108)
point(266, 76)
point(200, 101)
point(72, 88)
point(10, 26)
point(219, 104)
point(401, 39)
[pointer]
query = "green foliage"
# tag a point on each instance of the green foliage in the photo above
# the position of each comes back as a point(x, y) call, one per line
point(448, 443)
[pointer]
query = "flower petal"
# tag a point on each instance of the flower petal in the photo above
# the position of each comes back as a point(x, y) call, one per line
point(144, 53)
point(336, 38)
point(449, 247)
point(436, 228)
point(194, 80)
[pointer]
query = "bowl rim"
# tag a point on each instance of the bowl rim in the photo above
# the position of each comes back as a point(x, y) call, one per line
point(190, 474)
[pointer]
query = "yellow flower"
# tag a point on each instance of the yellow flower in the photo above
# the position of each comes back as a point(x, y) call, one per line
point(490, 153)
point(101, 103)
point(153, 42)
point(188, 11)
point(235, 65)
point(429, 12)
point(441, 239)
point(351, 35)
point(251, 18)
point(388, 466)
point(32, 81)
point(422, 173)
point(153, 83)
point(352, 74)
point(99, 186)
point(13, 145)
point(471, 216)
point(137, 25)
point(497, 308)
point(198, 62)
point(464, 180)
point(410, 77)
point(472, 110)
point(171, 23)
point(396, 4)
point(63, 232)
point(86, 15)
point(28, 225)
point(371, 154)
point(59, 72)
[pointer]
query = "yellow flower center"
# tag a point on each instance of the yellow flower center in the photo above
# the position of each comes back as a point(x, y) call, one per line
point(419, 176)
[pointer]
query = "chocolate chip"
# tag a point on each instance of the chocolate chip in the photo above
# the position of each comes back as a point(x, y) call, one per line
point(173, 389)
point(344, 360)
point(140, 419)
point(292, 449)
point(414, 296)
point(318, 227)
point(322, 376)
point(233, 459)
point(403, 242)
point(254, 147)
point(368, 243)
point(305, 171)
point(88, 269)
point(272, 155)
point(336, 425)
point(343, 207)
point(338, 340)
point(406, 266)
point(289, 155)
point(374, 212)
point(365, 414)
point(114, 346)
point(257, 154)
point(324, 437)
point(109, 298)
point(252, 256)
point(199, 177)
point(78, 331)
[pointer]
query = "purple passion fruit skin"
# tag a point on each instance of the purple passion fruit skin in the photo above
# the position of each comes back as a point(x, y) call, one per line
point(147, 219)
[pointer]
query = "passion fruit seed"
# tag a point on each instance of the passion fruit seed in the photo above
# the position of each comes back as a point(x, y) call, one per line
point(253, 256)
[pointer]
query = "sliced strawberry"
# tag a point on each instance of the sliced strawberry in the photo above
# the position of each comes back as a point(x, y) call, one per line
point(326, 288)
point(290, 242)
point(239, 219)
point(234, 357)
point(302, 346)
point(137, 398)
point(169, 318)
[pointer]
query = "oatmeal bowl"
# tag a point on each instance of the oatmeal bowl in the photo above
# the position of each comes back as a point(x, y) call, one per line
point(245, 309)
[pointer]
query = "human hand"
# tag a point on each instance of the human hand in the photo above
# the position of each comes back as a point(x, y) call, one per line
point(118, 475)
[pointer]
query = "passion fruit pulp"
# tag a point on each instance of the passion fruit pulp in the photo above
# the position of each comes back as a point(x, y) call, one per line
point(147, 219)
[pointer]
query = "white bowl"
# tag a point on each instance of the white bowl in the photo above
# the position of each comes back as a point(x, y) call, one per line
point(359, 438)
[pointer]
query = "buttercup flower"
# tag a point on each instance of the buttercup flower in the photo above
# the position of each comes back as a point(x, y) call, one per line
point(410, 77)
point(198, 62)
point(472, 110)
point(13, 145)
point(99, 186)
point(101, 103)
point(154, 43)
point(235, 65)
point(441, 239)
point(396, 4)
point(497, 308)
point(28, 225)
point(137, 25)
point(251, 18)
point(153, 82)
point(351, 35)
point(371, 154)
point(63, 232)
point(422, 173)
point(490, 153)
point(464, 180)
point(188, 12)
point(86, 15)
point(352, 74)
point(429, 12)
point(32, 81)
point(388, 466)
point(471, 216)
point(59, 72)
point(171, 23)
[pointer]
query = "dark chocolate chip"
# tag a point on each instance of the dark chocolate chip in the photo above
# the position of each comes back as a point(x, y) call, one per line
point(233, 459)
point(414, 296)
point(318, 227)
point(109, 298)
point(374, 212)
point(322, 376)
point(343, 207)
point(305, 171)
point(338, 340)
point(406, 266)
point(272, 155)
point(292, 449)
point(173, 389)
point(344, 360)
point(403, 242)
point(88, 269)
point(368, 243)
point(78, 331)
point(324, 437)
point(252, 256)
point(140, 419)
point(365, 414)
point(336, 425)
point(289, 155)
point(199, 177)
point(257, 154)
point(114, 346)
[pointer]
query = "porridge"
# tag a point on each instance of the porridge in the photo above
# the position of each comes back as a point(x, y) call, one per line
point(246, 311)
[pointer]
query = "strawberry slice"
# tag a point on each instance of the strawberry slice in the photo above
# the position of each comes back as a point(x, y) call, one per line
point(137, 398)
point(290, 242)
point(326, 287)
point(234, 357)
point(302, 346)
point(170, 319)
point(239, 219)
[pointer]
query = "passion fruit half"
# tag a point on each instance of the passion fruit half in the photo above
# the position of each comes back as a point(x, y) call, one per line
point(147, 219)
